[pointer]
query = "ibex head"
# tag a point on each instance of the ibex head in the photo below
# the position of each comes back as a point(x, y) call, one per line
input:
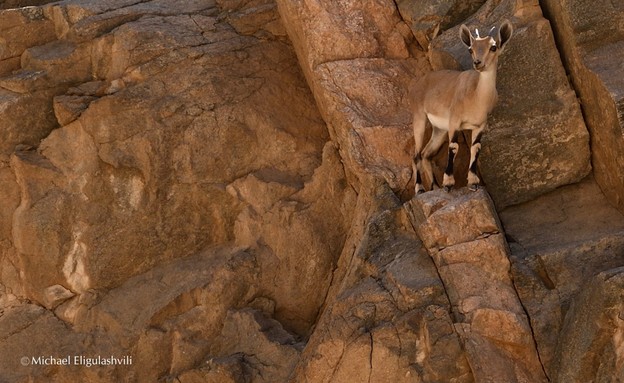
point(485, 50)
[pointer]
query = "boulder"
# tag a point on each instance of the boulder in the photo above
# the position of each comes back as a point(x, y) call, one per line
point(559, 243)
point(30, 335)
point(358, 63)
point(21, 29)
point(387, 318)
point(471, 256)
point(267, 351)
point(182, 140)
point(593, 50)
point(296, 263)
point(590, 346)
point(425, 18)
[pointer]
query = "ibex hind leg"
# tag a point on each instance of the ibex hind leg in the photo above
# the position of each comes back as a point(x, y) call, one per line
point(438, 137)
point(449, 179)
point(419, 124)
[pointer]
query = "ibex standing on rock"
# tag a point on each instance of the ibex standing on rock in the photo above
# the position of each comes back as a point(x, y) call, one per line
point(453, 101)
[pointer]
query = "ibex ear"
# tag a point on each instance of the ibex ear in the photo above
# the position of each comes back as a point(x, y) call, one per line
point(465, 36)
point(504, 33)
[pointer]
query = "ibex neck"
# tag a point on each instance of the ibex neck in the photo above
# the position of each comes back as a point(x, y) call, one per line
point(486, 87)
point(487, 78)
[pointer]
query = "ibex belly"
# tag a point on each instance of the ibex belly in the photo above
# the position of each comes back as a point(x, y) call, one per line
point(439, 122)
point(444, 122)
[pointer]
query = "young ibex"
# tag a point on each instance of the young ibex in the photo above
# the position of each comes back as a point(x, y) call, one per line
point(453, 101)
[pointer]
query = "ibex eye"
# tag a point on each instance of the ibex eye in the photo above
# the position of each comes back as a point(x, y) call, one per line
point(470, 50)
point(493, 48)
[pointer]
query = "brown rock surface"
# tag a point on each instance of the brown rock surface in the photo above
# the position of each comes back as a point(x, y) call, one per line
point(560, 241)
point(471, 257)
point(181, 131)
point(388, 320)
point(213, 188)
point(590, 348)
point(592, 45)
point(21, 29)
point(156, 169)
point(359, 77)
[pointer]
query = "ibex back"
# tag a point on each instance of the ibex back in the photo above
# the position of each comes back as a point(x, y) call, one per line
point(453, 101)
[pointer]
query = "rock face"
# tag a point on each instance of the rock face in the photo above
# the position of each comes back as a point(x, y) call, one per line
point(180, 127)
point(593, 51)
point(466, 243)
point(389, 319)
point(559, 243)
point(359, 79)
point(220, 191)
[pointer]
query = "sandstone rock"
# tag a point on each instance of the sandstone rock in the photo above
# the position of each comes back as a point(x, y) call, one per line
point(110, 176)
point(21, 29)
point(25, 109)
point(69, 108)
point(441, 225)
point(174, 289)
point(471, 257)
point(9, 201)
point(591, 338)
point(359, 79)
point(296, 263)
point(560, 241)
point(217, 370)
point(56, 57)
point(255, 17)
point(365, 139)
point(55, 295)
point(369, 111)
point(267, 352)
point(425, 17)
point(146, 131)
point(22, 328)
point(7, 4)
point(179, 181)
point(536, 140)
point(593, 52)
point(388, 319)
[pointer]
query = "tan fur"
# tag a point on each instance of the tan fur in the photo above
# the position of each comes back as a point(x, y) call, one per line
point(453, 101)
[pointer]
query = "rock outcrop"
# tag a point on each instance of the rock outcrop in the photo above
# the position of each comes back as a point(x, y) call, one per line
point(179, 128)
point(463, 236)
point(559, 243)
point(592, 46)
point(388, 318)
point(220, 191)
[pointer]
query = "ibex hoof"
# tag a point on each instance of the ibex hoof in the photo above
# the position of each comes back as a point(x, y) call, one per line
point(420, 191)
point(474, 187)
point(448, 188)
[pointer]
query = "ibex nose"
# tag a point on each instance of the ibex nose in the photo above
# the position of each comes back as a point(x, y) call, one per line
point(477, 62)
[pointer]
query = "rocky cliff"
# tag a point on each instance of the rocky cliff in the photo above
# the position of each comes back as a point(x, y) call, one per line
point(220, 191)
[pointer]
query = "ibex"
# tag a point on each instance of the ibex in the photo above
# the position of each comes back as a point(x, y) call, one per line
point(453, 101)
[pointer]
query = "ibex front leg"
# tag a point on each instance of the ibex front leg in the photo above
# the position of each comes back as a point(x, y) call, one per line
point(449, 179)
point(475, 148)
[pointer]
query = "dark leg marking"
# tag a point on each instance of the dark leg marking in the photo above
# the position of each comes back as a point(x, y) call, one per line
point(475, 149)
point(418, 182)
point(451, 154)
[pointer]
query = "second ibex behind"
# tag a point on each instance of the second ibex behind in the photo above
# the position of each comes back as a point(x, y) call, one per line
point(453, 101)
